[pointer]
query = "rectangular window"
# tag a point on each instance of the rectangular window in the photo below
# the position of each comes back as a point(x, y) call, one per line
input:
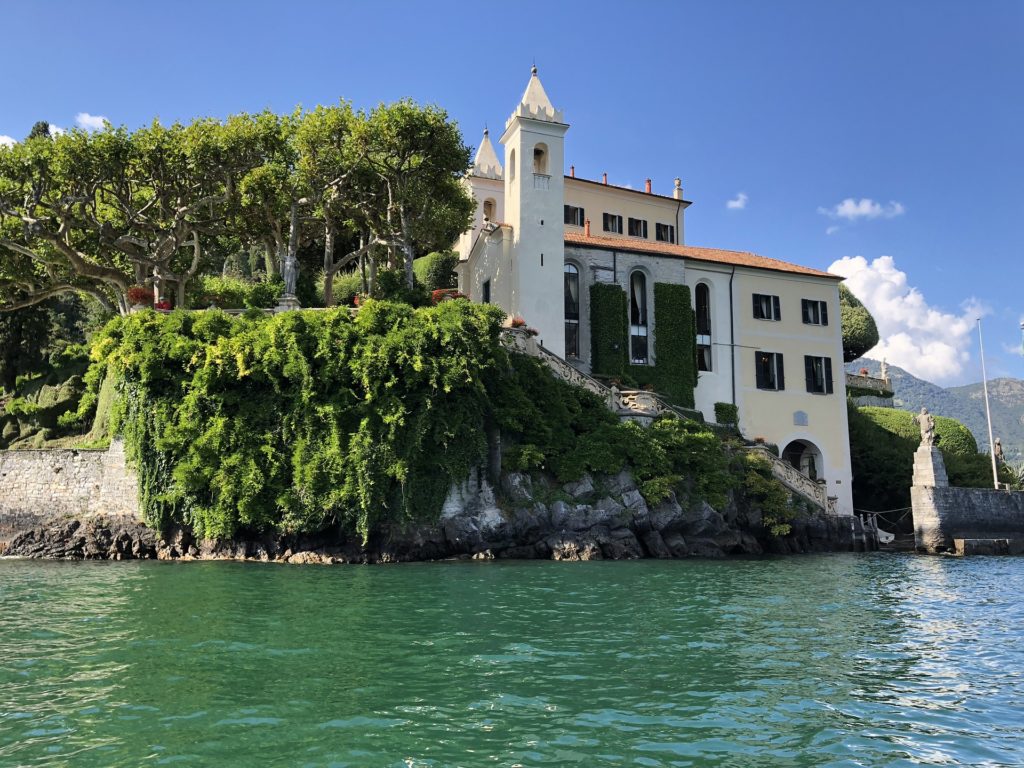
point(818, 372)
point(574, 216)
point(486, 291)
point(814, 312)
point(613, 223)
point(766, 307)
point(638, 227)
point(703, 356)
point(665, 233)
point(768, 370)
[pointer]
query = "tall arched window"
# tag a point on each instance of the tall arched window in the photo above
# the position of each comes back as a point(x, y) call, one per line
point(512, 165)
point(489, 209)
point(572, 311)
point(703, 312)
point(540, 158)
point(638, 353)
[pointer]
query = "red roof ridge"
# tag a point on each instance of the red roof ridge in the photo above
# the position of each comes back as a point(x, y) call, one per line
point(698, 253)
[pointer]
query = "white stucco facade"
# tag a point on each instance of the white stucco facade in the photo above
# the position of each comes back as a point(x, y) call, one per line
point(783, 371)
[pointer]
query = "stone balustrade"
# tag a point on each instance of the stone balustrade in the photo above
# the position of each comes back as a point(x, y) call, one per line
point(870, 383)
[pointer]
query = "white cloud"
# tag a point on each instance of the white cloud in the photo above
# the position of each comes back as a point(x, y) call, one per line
point(832, 230)
point(56, 130)
point(865, 208)
point(7, 141)
point(916, 336)
point(90, 122)
point(738, 203)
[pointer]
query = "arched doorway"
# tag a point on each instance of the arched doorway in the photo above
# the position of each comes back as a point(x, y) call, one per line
point(806, 457)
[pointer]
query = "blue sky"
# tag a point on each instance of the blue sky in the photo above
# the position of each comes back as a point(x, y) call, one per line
point(911, 111)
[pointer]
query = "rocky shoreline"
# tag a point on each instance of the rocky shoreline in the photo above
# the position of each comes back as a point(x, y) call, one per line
point(592, 519)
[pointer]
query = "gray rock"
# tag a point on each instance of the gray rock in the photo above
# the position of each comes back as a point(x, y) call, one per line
point(517, 487)
point(701, 521)
point(655, 545)
point(704, 548)
point(621, 544)
point(621, 483)
point(676, 544)
point(668, 516)
point(581, 488)
point(573, 547)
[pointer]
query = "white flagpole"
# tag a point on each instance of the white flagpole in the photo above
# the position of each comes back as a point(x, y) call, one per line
point(988, 413)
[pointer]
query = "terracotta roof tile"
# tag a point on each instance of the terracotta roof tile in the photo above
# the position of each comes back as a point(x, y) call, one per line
point(716, 255)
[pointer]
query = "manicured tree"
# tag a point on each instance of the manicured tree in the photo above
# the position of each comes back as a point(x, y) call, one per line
point(860, 333)
point(417, 157)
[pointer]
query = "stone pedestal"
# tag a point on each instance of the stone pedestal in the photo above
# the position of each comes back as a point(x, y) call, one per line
point(287, 302)
point(929, 468)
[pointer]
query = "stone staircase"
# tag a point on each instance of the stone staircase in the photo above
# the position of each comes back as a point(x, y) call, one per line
point(643, 407)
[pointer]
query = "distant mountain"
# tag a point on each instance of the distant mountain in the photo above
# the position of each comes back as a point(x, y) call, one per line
point(965, 404)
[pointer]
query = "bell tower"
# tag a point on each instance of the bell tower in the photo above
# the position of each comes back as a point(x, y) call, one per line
point(534, 141)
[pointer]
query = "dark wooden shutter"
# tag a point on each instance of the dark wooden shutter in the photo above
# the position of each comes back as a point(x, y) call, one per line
point(824, 313)
point(757, 307)
point(775, 305)
point(805, 307)
point(759, 370)
point(828, 372)
point(780, 374)
point(809, 372)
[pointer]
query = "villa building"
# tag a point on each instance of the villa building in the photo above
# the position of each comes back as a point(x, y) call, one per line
point(768, 338)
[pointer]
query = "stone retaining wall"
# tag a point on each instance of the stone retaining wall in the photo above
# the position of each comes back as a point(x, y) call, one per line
point(37, 487)
point(944, 515)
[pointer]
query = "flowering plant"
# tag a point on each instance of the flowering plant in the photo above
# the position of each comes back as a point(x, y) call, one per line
point(446, 294)
point(140, 295)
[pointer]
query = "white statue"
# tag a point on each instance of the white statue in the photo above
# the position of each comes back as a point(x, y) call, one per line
point(927, 424)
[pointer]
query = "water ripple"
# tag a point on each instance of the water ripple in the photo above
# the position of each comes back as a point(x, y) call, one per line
point(819, 661)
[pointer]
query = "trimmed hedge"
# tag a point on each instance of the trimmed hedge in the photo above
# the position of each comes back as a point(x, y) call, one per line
point(953, 437)
point(609, 340)
point(674, 373)
point(436, 270)
point(727, 413)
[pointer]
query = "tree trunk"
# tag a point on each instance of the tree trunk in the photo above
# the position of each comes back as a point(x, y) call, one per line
point(408, 251)
point(329, 267)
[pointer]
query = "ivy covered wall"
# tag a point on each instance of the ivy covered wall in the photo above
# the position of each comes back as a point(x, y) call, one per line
point(674, 373)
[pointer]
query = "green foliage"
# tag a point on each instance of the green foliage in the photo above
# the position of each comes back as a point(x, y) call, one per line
point(777, 510)
point(609, 342)
point(233, 292)
point(860, 334)
point(882, 445)
point(436, 270)
point(675, 343)
point(391, 286)
point(674, 374)
point(301, 420)
point(727, 413)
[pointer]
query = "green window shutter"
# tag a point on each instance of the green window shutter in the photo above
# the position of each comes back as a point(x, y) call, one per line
point(828, 374)
point(775, 306)
point(781, 376)
point(809, 372)
point(824, 313)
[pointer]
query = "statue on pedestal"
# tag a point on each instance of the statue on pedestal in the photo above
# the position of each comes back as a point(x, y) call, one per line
point(927, 424)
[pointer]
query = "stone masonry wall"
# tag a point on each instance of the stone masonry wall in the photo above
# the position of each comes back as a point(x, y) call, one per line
point(37, 487)
point(943, 513)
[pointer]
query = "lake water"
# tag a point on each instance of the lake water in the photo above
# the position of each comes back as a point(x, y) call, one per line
point(842, 660)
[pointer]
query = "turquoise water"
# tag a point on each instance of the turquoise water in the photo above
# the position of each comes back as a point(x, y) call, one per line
point(843, 660)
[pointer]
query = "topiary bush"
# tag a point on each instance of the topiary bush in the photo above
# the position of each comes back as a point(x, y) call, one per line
point(436, 270)
point(233, 292)
point(727, 413)
point(609, 342)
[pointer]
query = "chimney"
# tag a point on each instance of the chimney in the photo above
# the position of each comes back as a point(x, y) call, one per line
point(586, 228)
point(604, 178)
point(572, 171)
point(647, 186)
point(677, 193)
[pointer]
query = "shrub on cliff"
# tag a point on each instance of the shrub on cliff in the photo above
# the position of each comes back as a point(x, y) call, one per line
point(304, 420)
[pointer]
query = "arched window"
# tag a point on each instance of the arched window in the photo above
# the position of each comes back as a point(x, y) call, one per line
point(540, 158)
point(703, 312)
point(638, 353)
point(489, 209)
point(572, 311)
point(512, 165)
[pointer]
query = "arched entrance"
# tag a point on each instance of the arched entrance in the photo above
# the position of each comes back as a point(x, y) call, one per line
point(805, 456)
